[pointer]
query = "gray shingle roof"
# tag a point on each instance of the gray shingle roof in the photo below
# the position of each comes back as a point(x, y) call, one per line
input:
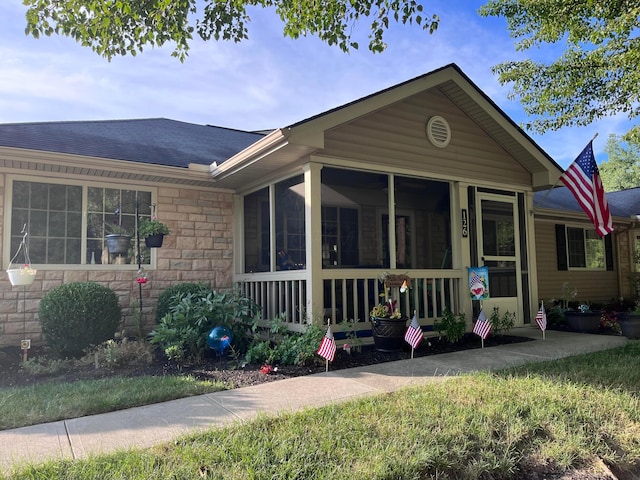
point(157, 141)
point(621, 204)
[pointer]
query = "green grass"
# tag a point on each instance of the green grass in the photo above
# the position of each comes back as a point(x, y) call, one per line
point(57, 401)
point(559, 413)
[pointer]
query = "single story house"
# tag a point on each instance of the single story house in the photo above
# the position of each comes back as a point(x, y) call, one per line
point(421, 180)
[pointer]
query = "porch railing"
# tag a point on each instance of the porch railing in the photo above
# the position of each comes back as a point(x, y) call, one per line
point(349, 294)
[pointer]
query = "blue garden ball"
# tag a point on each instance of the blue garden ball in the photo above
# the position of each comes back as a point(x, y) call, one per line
point(219, 339)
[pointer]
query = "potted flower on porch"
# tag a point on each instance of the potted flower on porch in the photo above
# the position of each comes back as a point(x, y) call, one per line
point(388, 326)
point(153, 232)
point(630, 322)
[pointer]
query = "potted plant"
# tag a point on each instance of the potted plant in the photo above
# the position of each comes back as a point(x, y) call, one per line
point(118, 239)
point(630, 322)
point(388, 326)
point(583, 319)
point(153, 232)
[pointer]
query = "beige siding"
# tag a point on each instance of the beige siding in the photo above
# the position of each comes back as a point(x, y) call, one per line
point(198, 249)
point(395, 136)
point(592, 286)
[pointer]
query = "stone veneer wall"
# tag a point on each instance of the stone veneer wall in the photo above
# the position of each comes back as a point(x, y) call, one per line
point(199, 248)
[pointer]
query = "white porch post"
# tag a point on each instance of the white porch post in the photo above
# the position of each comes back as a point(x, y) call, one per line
point(313, 242)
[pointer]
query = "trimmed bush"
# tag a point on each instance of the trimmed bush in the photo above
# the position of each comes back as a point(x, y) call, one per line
point(77, 315)
point(171, 296)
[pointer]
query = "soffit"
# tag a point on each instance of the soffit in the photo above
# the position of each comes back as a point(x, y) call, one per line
point(23, 161)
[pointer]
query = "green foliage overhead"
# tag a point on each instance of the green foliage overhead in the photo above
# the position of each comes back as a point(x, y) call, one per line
point(622, 169)
point(596, 75)
point(120, 27)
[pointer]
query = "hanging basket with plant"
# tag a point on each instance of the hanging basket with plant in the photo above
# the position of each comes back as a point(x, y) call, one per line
point(22, 274)
point(153, 231)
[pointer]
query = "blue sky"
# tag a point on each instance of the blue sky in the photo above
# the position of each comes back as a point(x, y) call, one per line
point(266, 82)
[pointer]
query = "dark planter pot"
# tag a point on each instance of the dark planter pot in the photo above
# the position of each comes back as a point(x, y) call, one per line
point(587, 322)
point(154, 241)
point(630, 324)
point(118, 244)
point(388, 333)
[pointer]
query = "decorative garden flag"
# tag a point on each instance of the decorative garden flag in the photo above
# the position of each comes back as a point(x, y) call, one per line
point(583, 179)
point(413, 336)
point(327, 348)
point(479, 283)
point(482, 328)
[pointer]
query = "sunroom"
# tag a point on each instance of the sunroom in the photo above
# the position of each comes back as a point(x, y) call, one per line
point(417, 182)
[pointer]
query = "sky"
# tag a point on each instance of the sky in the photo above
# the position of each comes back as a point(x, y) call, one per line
point(266, 82)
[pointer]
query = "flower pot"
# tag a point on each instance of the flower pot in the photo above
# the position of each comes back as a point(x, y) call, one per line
point(584, 322)
point(154, 241)
point(118, 244)
point(630, 324)
point(21, 276)
point(388, 333)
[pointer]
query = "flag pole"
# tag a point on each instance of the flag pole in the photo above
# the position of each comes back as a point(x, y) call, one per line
point(414, 314)
point(326, 360)
point(542, 306)
point(481, 337)
point(555, 184)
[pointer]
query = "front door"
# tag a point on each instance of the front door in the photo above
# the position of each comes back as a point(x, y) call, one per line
point(499, 250)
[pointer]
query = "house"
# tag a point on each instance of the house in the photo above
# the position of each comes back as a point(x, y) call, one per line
point(421, 180)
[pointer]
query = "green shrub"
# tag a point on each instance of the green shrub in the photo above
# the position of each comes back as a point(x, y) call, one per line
point(500, 324)
point(76, 315)
point(182, 333)
point(279, 345)
point(172, 295)
point(450, 326)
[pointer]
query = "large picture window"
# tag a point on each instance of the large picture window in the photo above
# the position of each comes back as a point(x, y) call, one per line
point(59, 233)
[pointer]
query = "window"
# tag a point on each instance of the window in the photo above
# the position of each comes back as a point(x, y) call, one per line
point(585, 249)
point(59, 233)
point(340, 236)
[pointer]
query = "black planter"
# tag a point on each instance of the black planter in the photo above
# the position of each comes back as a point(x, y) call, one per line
point(388, 333)
point(118, 244)
point(629, 324)
point(154, 241)
point(583, 322)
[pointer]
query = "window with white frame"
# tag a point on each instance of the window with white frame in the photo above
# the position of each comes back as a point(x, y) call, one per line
point(61, 234)
point(585, 249)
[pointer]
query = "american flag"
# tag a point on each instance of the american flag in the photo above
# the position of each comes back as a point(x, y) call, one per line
point(541, 319)
point(327, 348)
point(482, 328)
point(413, 336)
point(583, 179)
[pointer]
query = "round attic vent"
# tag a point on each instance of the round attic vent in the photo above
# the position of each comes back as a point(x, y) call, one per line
point(438, 131)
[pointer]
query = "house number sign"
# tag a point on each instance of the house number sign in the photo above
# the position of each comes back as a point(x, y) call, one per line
point(465, 224)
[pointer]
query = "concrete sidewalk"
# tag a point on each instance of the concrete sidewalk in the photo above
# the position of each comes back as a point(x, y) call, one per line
point(153, 424)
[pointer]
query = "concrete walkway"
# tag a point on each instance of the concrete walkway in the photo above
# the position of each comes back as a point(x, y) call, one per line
point(162, 422)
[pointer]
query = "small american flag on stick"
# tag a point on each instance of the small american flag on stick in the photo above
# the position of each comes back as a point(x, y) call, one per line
point(541, 319)
point(482, 328)
point(327, 348)
point(413, 336)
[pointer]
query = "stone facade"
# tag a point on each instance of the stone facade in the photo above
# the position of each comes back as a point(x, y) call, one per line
point(199, 249)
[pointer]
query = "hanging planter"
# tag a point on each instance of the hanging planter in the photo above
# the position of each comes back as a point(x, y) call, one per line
point(154, 241)
point(118, 243)
point(153, 232)
point(23, 275)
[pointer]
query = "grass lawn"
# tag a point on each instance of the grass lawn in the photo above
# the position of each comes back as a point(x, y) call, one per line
point(564, 413)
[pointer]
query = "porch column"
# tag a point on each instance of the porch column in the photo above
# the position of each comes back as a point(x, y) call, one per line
point(313, 242)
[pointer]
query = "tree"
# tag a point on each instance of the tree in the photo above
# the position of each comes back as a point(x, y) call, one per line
point(622, 169)
point(118, 27)
point(596, 76)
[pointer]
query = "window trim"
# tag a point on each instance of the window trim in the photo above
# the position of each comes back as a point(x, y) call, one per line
point(8, 202)
point(562, 245)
